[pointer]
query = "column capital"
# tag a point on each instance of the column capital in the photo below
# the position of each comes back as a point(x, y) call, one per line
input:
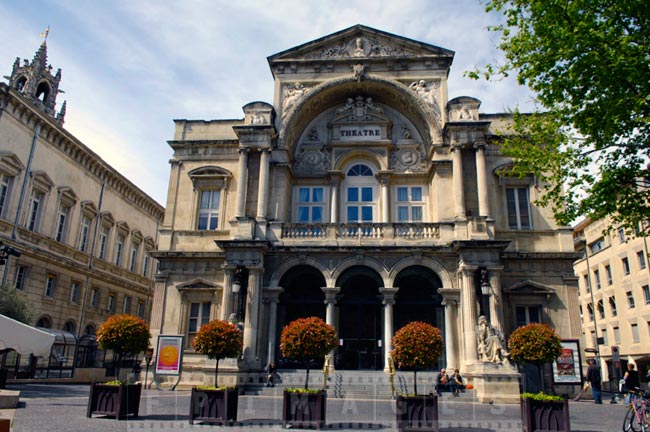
point(450, 296)
point(480, 145)
point(272, 294)
point(243, 149)
point(330, 294)
point(264, 148)
point(161, 277)
point(389, 294)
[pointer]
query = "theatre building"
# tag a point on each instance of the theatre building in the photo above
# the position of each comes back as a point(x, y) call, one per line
point(362, 195)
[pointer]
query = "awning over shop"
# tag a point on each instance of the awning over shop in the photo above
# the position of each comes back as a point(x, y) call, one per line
point(23, 338)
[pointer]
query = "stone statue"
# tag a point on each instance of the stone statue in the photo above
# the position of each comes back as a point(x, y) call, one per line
point(359, 71)
point(491, 345)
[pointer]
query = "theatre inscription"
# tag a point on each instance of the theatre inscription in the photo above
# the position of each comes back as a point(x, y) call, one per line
point(360, 133)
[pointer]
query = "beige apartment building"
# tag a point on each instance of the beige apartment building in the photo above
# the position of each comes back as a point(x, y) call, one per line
point(614, 279)
point(85, 232)
point(364, 196)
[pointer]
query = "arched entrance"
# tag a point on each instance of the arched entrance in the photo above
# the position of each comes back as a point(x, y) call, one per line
point(301, 297)
point(360, 320)
point(418, 299)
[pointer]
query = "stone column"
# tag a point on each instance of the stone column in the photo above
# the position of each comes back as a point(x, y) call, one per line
point(385, 203)
point(468, 298)
point(330, 302)
point(457, 173)
point(496, 304)
point(252, 314)
point(388, 302)
point(450, 298)
point(226, 295)
point(272, 294)
point(242, 179)
point(158, 308)
point(263, 189)
point(335, 177)
point(481, 180)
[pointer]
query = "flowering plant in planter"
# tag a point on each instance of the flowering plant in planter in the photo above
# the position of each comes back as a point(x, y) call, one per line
point(535, 343)
point(306, 339)
point(123, 334)
point(417, 346)
point(218, 339)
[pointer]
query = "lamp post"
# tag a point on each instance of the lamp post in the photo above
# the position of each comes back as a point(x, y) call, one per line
point(148, 356)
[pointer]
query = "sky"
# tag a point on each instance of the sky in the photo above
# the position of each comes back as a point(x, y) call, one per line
point(130, 67)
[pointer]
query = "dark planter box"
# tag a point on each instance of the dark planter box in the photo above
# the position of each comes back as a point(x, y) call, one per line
point(118, 401)
point(214, 406)
point(417, 413)
point(304, 410)
point(544, 416)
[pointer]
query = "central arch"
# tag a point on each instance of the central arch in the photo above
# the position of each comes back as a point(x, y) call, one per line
point(359, 320)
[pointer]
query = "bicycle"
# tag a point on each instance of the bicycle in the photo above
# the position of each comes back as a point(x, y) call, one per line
point(637, 418)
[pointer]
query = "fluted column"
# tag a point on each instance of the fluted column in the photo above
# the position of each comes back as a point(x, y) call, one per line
point(468, 298)
point(335, 177)
point(481, 180)
point(330, 302)
point(385, 203)
point(226, 295)
point(263, 189)
point(457, 173)
point(252, 313)
point(388, 301)
point(157, 320)
point(272, 296)
point(242, 179)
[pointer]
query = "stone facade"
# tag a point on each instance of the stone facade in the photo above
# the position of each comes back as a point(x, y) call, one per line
point(363, 196)
point(85, 232)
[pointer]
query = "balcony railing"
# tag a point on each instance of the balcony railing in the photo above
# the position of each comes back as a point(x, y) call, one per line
point(376, 231)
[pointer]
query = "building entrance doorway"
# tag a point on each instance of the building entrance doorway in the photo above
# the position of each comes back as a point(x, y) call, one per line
point(360, 320)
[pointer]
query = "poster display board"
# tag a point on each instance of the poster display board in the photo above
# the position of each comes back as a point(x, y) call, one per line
point(567, 368)
point(169, 355)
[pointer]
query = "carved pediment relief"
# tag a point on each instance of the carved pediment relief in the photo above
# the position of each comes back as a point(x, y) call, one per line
point(529, 287)
point(311, 161)
point(360, 42)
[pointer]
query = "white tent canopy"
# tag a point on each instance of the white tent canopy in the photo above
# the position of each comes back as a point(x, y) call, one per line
point(23, 338)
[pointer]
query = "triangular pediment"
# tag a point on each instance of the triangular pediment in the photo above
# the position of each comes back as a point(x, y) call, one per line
point(197, 283)
point(360, 42)
point(529, 287)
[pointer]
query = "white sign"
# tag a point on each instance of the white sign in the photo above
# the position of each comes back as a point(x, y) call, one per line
point(360, 133)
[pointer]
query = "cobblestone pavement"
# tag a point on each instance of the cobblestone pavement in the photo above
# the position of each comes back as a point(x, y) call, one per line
point(62, 408)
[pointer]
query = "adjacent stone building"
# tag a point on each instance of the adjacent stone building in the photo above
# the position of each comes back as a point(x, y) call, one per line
point(362, 195)
point(85, 232)
point(614, 279)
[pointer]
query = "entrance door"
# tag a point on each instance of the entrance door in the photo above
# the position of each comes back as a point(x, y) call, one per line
point(360, 321)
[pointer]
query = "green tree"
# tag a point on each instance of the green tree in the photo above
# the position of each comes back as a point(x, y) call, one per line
point(588, 63)
point(14, 304)
point(218, 339)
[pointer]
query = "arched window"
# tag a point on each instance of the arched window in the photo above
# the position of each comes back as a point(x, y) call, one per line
point(360, 194)
point(44, 322)
point(69, 327)
point(21, 83)
point(42, 92)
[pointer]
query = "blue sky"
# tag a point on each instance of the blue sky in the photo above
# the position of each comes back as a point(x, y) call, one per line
point(132, 66)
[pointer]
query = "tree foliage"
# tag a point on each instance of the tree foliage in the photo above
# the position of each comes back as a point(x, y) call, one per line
point(218, 339)
point(588, 62)
point(14, 304)
point(537, 343)
point(124, 334)
point(416, 346)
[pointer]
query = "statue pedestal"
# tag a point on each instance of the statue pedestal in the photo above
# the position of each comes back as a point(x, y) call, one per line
point(495, 383)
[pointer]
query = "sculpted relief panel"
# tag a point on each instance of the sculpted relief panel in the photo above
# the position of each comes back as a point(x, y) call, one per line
point(362, 46)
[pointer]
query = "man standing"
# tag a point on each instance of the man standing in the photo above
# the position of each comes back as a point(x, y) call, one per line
point(593, 376)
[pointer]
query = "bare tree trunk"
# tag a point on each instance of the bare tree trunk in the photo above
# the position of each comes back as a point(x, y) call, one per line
point(216, 374)
point(415, 382)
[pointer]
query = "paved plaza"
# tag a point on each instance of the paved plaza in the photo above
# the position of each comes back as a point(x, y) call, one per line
point(62, 408)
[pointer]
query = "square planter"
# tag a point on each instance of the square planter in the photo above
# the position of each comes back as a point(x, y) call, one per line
point(118, 401)
point(417, 413)
point(544, 415)
point(214, 406)
point(304, 410)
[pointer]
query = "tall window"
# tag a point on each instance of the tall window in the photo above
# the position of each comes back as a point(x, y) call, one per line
point(145, 265)
point(140, 311)
point(111, 302)
point(590, 311)
point(641, 257)
point(119, 247)
point(630, 299)
point(134, 256)
point(597, 277)
point(103, 242)
point(62, 224)
point(597, 246)
point(528, 314)
point(585, 278)
point(209, 210)
point(199, 315)
point(646, 293)
point(612, 306)
point(626, 266)
point(34, 214)
point(360, 199)
point(608, 273)
point(94, 297)
point(635, 333)
point(617, 335)
point(84, 231)
point(74, 292)
point(601, 309)
point(5, 193)
point(127, 305)
point(409, 204)
point(50, 285)
point(518, 210)
point(621, 235)
point(311, 204)
point(21, 277)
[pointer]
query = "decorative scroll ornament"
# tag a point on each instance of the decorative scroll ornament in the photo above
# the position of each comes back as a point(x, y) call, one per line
point(359, 108)
point(311, 161)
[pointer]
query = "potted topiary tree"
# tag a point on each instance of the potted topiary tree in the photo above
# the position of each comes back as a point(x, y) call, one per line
point(539, 344)
point(217, 339)
point(417, 346)
point(305, 340)
point(124, 334)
